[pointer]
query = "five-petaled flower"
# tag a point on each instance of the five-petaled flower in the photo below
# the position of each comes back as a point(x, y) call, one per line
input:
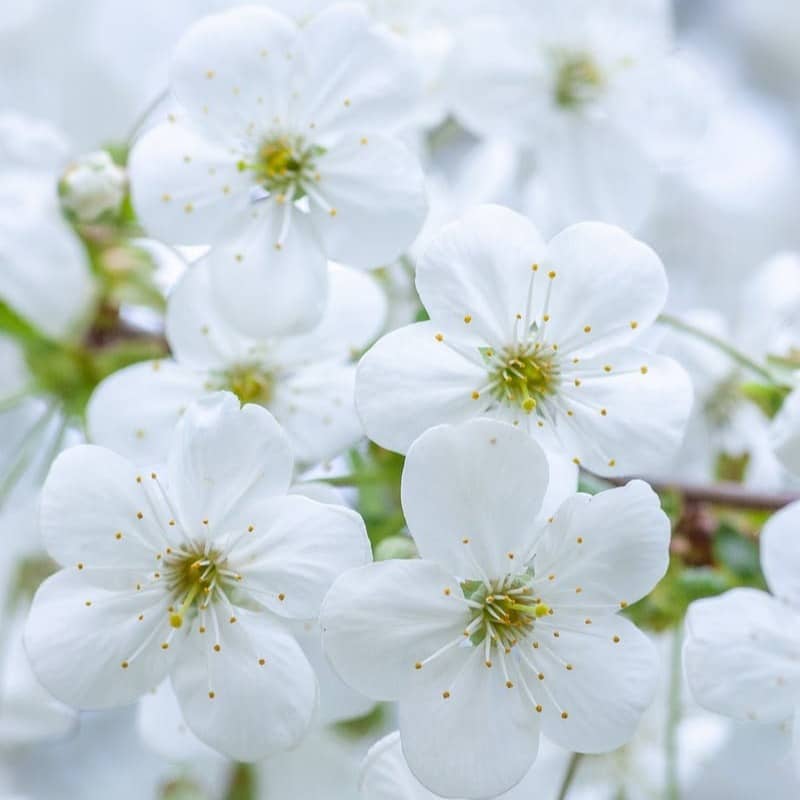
point(189, 573)
point(507, 624)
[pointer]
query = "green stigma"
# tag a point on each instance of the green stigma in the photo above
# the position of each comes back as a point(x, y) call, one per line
point(194, 578)
point(285, 165)
point(578, 80)
point(523, 375)
point(250, 383)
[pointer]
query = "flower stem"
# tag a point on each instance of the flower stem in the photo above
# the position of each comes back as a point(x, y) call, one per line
point(734, 354)
point(569, 776)
point(672, 787)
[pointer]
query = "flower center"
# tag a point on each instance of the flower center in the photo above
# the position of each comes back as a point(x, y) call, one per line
point(251, 384)
point(522, 375)
point(194, 578)
point(284, 165)
point(503, 612)
point(578, 79)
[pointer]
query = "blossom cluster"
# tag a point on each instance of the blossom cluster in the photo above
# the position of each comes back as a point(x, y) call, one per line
point(378, 422)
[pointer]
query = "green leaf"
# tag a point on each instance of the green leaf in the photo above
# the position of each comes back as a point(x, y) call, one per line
point(736, 552)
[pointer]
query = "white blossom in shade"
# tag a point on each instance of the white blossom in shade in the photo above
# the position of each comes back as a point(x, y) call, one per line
point(785, 433)
point(190, 573)
point(93, 185)
point(592, 87)
point(742, 651)
point(34, 237)
point(539, 335)
point(505, 626)
point(307, 380)
point(281, 156)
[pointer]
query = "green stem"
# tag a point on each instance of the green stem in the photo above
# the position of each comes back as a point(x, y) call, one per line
point(734, 354)
point(243, 783)
point(672, 787)
point(569, 776)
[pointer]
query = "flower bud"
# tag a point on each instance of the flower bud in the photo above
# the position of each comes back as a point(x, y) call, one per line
point(93, 185)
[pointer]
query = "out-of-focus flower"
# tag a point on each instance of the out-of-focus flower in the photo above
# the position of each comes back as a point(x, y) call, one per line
point(93, 185)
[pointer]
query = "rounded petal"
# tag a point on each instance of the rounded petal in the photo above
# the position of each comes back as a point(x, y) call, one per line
point(356, 78)
point(88, 646)
point(409, 381)
point(471, 494)
point(265, 290)
point(90, 512)
point(223, 458)
point(785, 433)
point(296, 550)
point(232, 71)
point(198, 334)
point(742, 655)
point(477, 741)
point(385, 774)
point(605, 281)
point(134, 411)
point(612, 682)
point(162, 726)
point(475, 275)
point(613, 545)
point(780, 554)
point(629, 410)
point(315, 406)
point(371, 202)
point(186, 188)
point(380, 620)
point(254, 696)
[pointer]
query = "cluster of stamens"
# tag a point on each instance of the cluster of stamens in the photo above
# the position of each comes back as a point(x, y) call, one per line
point(522, 375)
point(284, 166)
point(250, 383)
point(578, 79)
point(193, 578)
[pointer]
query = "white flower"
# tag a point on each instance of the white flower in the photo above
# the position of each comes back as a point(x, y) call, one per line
point(189, 574)
point(306, 381)
point(44, 269)
point(742, 652)
point(281, 156)
point(536, 334)
point(504, 625)
point(785, 433)
point(591, 86)
point(93, 185)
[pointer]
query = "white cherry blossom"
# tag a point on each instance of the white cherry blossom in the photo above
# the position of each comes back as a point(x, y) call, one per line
point(306, 381)
point(539, 335)
point(504, 626)
point(742, 652)
point(190, 573)
point(281, 155)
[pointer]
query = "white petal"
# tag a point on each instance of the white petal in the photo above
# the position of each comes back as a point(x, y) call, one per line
point(785, 433)
point(611, 683)
point(357, 78)
point(379, 620)
point(337, 701)
point(162, 726)
point(742, 655)
point(474, 277)
point(135, 410)
point(478, 741)
point(606, 281)
point(647, 399)
point(409, 381)
point(315, 406)
point(238, 705)
point(780, 554)
point(78, 636)
point(374, 200)
point(90, 496)
point(297, 548)
point(354, 316)
point(385, 774)
point(265, 290)
point(198, 334)
point(222, 458)
point(613, 546)
point(185, 187)
point(481, 481)
point(231, 72)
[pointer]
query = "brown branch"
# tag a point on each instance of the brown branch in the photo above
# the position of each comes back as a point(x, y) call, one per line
point(732, 495)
